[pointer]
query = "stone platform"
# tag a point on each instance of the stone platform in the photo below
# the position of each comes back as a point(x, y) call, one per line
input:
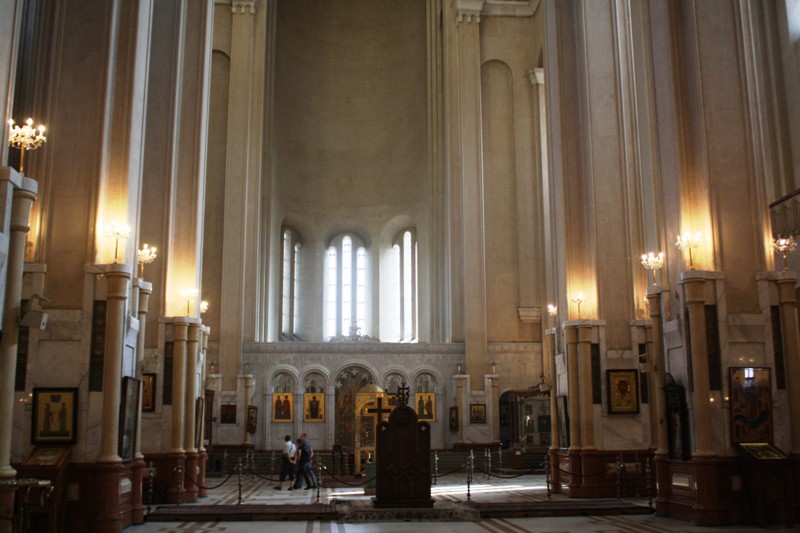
point(361, 511)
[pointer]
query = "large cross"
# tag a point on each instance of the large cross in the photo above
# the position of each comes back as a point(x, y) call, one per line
point(380, 410)
point(402, 394)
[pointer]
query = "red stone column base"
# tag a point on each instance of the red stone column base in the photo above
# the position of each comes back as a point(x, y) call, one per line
point(202, 462)
point(107, 517)
point(714, 503)
point(191, 478)
point(168, 484)
point(662, 484)
point(7, 491)
point(555, 473)
point(575, 472)
point(138, 469)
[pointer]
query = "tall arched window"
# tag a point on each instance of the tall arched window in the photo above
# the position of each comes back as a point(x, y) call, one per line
point(346, 286)
point(290, 257)
point(405, 251)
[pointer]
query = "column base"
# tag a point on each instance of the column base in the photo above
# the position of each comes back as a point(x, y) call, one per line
point(662, 485)
point(107, 505)
point(168, 482)
point(202, 463)
point(138, 469)
point(715, 503)
point(7, 497)
point(191, 478)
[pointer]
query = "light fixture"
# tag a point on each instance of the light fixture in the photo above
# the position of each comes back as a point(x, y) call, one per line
point(146, 255)
point(552, 310)
point(653, 262)
point(784, 246)
point(25, 138)
point(203, 307)
point(117, 232)
point(687, 242)
point(190, 295)
point(493, 364)
point(579, 299)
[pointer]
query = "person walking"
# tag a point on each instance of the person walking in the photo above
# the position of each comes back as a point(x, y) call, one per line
point(305, 452)
point(287, 465)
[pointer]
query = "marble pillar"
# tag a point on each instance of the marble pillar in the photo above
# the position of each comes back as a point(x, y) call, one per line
point(177, 452)
point(191, 471)
point(694, 286)
point(787, 299)
point(586, 405)
point(573, 387)
point(657, 398)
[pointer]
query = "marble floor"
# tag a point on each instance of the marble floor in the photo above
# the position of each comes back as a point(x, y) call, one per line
point(526, 488)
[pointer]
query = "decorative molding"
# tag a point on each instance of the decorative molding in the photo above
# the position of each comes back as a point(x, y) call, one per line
point(529, 314)
point(511, 348)
point(536, 76)
point(511, 8)
point(243, 6)
point(468, 10)
point(322, 348)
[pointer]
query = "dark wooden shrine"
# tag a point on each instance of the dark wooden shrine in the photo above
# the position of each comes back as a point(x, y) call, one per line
point(403, 450)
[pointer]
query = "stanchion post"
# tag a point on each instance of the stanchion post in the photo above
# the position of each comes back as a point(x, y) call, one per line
point(151, 480)
point(239, 475)
point(225, 462)
point(488, 455)
point(470, 467)
point(319, 476)
point(179, 472)
point(435, 467)
point(272, 464)
point(499, 457)
point(546, 464)
point(620, 470)
point(648, 479)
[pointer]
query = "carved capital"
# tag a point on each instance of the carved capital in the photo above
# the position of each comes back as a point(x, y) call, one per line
point(468, 10)
point(243, 7)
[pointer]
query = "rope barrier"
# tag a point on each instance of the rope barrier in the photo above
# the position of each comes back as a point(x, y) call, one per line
point(347, 483)
point(213, 486)
point(513, 476)
point(450, 472)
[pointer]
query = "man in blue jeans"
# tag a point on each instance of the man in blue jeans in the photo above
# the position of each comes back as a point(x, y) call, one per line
point(304, 470)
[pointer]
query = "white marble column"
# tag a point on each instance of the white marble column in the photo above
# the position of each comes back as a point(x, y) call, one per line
point(573, 386)
point(694, 285)
point(180, 329)
point(145, 289)
point(585, 365)
point(194, 335)
point(118, 278)
point(23, 192)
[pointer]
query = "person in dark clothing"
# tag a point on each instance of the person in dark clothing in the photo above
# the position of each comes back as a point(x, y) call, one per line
point(304, 471)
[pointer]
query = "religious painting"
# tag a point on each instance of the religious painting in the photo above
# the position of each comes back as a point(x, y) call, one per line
point(562, 412)
point(454, 418)
point(477, 413)
point(623, 392)
point(282, 406)
point(314, 407)
point(252, 419)
point(55, 417)
point(751, 405)
point(128, 417)
point(227, 413)
point(426, 406)
point(148, 392)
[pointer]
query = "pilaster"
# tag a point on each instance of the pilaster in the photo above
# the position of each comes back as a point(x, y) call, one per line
point(585, 365)
point(471, 178)
point(656, 361)
point(573, 388)
point(787, 281)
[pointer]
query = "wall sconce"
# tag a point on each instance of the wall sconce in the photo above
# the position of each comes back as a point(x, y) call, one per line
point(579, 299)
point(146, 255)
point(493, 365)
point(653, 262)
point(117, 232)
point(190, 295)
point(687, 242)
point(784, 246)
point(203, 307)
point(25, 138)
point(459, 366)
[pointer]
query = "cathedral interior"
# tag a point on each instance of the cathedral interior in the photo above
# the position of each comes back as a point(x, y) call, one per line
point(561, 228)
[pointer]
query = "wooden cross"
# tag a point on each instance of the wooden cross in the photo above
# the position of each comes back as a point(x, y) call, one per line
point(402, 394)
point(380, 410)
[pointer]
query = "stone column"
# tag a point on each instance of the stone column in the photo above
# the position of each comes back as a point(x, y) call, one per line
point(118, 277)
point(573, 387)
point(786, 282)
point(468, 107)
point(694, 286)
point(23, 191)
point(191, 472)
point(144, 290)
point(657, 398)
point(202, 454)
point(555, 424)
point(585, 366)
point(247, 382)
point(177, 455)
point(459, 381)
